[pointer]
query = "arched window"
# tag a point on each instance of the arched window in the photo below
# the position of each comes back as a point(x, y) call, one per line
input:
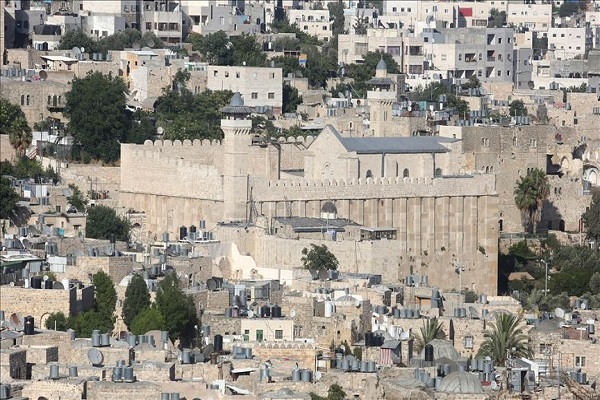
point(49, 100)
point(405, 173)
point(438, 172)
point(491, 170)
point(28, 98)
point(369, 174)
point(59, 99)
point(501, 225)
point(487, 170)
point(561, 225)
point(514, 140)
point(22, 99)
point(54, 101)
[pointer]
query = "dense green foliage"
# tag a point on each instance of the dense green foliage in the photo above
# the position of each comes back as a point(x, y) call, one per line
point(361, 73)
point(118, 41)
point(8, 198)
point(530, 193)
point(85, 322)
point(137, 300)
point(319, 258)
point(177, 309)
point(505, 337)
point(497, 19)
point(14, 124)
point(148, 319)
point(220, 49)
point(77, 199)
point(25, 167)
point(102, 221)
point(568, 8)
point(432, 92)
point(431, 329)
point(335, 392)
point(105, 297)
point(591, 217)
point(97, 116)
point(291, 99)
point(184, 115)
point(57, 321)
point(517, 109)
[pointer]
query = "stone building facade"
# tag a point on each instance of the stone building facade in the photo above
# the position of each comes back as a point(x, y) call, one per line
point(439, 219)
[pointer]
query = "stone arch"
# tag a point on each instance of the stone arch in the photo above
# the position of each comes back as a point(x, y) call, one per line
point(43, 319)
point(561, 225)
point(438, 172)
point(406, 173)
point(369, 174)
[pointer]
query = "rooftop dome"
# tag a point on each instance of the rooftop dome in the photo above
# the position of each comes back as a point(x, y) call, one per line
point(236, 100)
point(442, 348)
point(236, 106)
point(461, 382)
point(329, 207)
point(381, 64)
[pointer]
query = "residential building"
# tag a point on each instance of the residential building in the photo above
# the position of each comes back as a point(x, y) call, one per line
point(312, 22)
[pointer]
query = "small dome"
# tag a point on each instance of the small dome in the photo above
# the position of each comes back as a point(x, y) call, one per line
point(236, 100)
point(381, 64)
point(329, 207)
point(442, 348)
point(461, 382)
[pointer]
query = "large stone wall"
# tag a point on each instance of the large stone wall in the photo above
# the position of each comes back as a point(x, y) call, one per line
point(37, 302)
point(7, 152)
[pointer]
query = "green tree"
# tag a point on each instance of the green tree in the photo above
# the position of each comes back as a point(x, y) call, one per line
point(14, 124)
point(102, 221)
point(8, 198)
point(591, 217)
point(595, 283)
point(497, 19)
point(137, 299)
point(76, 38)
point(336, 12)
point(361, 24)
point(149, 319)
point(470, 296)
point(105, 301)
point(286, 43)
point(84, 323)
point(220, 49)
point(291, 99)
point(361, 73)
point(505, 337)
point(319, 258)
point(177, 309)
point(97, 116)
point(459, 105)
point(472, 83)
point(568, 8)
point(530, 193)
point(431, 92)
point(431, 329)
point(141, 128)
point(517, 109)
point(77, 199)
point(57, 321)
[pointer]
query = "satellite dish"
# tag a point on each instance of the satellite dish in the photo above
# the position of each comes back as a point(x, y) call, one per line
point(58, 286)
point(250, 314)
point(76, 50)
point(136, 46)
point(43, 75)
point(473, 312)
point(211, 284)
point(83, 49)
point(150, 43)
point(341, 95)
point(405, 335)
point(45, 278)
point(357, 303)
point(559, 312)
point(583, 306)
point(292, 313)
point(95, 356)
point(160, 130)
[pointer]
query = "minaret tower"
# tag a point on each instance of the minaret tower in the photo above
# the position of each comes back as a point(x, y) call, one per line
point(381, 96)
point(237, 140)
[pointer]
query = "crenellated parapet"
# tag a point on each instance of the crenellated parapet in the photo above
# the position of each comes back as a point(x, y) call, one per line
point(369, 188)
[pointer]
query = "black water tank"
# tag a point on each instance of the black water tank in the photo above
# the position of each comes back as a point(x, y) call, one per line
point(182, 232)
point(112, 237)
point(28, 326)
point(218, 343)
point(428, 352)
point(48, 284)
point(36, 282)
point(276, 311)
point(265, 311)
point(192, 228)
point(369, 339)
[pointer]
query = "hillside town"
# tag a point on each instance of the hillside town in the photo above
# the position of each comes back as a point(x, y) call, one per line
point(299, 199)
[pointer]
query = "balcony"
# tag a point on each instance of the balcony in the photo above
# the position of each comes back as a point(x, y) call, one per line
point(491, 59)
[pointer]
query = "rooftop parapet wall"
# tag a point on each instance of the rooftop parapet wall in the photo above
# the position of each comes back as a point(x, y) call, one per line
point(477, 185)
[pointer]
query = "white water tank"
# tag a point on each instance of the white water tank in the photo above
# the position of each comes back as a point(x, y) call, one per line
point(66, 284)
point(329, 309)
point(393, 331)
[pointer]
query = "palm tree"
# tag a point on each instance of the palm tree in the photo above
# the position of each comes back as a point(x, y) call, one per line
point(505, 336)
point(432, 329)
point(20, 136)
point(531, 192)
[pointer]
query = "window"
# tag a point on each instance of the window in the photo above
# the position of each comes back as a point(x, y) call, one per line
point(369, 174)
point(271, 95)
point(324, 27)
point(272, 75)
point(579, 361)
point(468, 342)
point(499, 40)
point(148, 26)
point(226, 74)
point(278, 334)
point(499, 73)
point(254, 95)
point(438, 172)
point(22, 100)
point(215, 73)
point(259, 335)
point(237, 74)
point(405, 173)
point(459, 57)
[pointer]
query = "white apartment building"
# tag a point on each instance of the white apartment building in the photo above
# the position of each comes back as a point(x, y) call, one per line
point(261, 88)
point(536, 17)
point(99, 25)
point(569, 43)
point(312, 22)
